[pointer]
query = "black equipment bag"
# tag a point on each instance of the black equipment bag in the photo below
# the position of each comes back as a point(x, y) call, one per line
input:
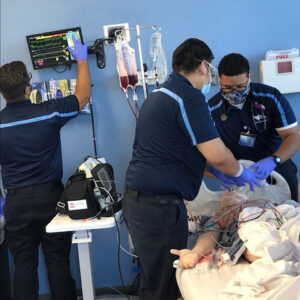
point(78, 199)
point(85, 198)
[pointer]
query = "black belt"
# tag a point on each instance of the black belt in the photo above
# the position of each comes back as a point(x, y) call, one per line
point(23, 188)
point(156, 199)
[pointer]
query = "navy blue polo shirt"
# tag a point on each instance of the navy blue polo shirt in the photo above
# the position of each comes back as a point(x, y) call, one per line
point(30, 148)
point(265, 111)
point(165, 158)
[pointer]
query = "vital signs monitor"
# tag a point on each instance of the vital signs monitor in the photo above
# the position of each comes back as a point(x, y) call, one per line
point(49, 49)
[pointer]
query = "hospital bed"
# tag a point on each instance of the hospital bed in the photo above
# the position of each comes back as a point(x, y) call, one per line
point(209, 282)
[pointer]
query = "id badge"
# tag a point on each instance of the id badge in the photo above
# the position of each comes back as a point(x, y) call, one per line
point(247, 139)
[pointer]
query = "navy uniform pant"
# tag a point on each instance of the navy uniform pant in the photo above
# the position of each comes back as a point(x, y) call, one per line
point(4, 273)
point(27, 211)
point(155, 228)
point(288, 171)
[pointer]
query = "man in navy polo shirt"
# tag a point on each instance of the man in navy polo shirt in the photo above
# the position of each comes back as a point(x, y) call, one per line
point(175, 136)
point(32, 171)
point(255, 121)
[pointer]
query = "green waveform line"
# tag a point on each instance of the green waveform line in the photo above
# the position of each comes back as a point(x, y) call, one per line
point(47, 45)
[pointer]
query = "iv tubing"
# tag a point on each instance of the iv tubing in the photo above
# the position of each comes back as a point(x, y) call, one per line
point(138, 37)
point(127, 98)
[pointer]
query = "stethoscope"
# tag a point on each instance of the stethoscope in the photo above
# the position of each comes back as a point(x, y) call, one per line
point(259, 120)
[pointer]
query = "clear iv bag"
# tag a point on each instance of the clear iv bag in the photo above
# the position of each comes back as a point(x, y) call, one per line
point(158, 58)
point(130, 63)
point(123, 75)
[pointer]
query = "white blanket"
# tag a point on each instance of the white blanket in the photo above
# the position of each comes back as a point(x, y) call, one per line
point(198, 283)
point(274, 276)
point(278, 247)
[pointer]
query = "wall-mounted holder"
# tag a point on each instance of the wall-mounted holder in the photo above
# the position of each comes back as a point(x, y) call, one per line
point(112, 31)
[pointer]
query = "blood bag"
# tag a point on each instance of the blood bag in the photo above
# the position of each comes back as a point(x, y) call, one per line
point(123, 76)
point(130, 63)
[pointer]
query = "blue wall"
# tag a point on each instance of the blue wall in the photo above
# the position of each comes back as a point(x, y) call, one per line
point(250, 27)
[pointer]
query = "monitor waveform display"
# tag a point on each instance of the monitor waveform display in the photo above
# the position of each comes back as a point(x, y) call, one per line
point(50, 49)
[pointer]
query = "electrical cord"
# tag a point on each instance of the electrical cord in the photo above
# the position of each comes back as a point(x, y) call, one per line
point(215, 240)
point(66, 67)
point(119, 244)
point(114, 289)
point(110, 196)
point(134, 285)
point(119, 263)
point(136, 282)
point(127, 252)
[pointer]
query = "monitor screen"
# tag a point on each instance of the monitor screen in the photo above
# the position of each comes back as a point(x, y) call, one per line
point(49, 49)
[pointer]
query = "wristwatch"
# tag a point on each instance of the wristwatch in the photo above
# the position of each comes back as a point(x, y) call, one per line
point(277, 159)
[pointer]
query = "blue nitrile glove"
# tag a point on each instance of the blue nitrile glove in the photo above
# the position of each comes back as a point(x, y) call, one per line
point(2, 203)
point(80, 50)
point(225, 180)
point(264, 166)
point(250, 177)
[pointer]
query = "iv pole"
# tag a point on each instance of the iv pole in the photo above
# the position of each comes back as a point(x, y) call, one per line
point(138, 37)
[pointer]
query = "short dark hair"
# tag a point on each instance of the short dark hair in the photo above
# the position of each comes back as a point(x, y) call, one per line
point(13, 80)
point(188, 55)
point(233, 64)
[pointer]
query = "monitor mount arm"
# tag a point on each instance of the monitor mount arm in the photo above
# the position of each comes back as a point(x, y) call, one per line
point(98, 49)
